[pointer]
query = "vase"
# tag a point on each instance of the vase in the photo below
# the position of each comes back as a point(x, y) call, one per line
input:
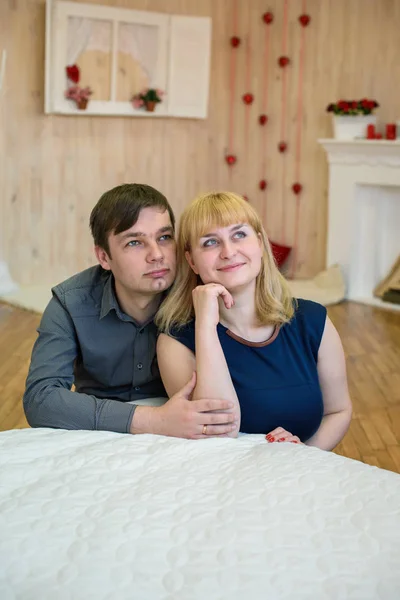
point(351, 127)
point(150, 105)
point(82, 103)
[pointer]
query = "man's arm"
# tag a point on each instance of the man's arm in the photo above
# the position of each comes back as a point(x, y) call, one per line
point(48, 400)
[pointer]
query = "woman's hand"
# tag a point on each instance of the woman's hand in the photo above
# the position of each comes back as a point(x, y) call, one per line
point(281, 435)
point(205, 302)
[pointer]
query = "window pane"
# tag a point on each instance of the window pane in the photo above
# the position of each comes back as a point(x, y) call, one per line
point(137, 58)
point(89, 47)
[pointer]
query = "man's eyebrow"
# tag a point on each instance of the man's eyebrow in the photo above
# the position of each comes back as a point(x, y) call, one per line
point(135, 234)
point(234, 228)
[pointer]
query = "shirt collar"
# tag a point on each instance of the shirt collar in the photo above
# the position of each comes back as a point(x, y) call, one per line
point(109, 300)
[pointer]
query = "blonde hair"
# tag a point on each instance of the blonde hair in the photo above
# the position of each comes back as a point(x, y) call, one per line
point(273, 300)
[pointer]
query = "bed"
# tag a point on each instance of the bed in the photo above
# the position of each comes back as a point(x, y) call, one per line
point(98, 515)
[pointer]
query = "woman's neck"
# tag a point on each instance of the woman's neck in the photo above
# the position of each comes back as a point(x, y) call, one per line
point(243, 313)
point(241, 319)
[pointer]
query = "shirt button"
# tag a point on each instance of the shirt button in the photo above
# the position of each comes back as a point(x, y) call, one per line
point(139, 366)
point(136, 388)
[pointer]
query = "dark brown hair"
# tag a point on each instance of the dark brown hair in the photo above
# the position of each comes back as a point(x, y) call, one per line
point(119, 209)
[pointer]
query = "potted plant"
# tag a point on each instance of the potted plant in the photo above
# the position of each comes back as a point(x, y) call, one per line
point(75, 92)
point(147, 98)
point(79, 95)
point(351, 117)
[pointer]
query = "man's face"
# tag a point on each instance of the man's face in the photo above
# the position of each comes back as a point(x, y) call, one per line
point(143, 258)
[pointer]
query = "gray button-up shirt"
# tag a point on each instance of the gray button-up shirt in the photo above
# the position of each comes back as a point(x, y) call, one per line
point(85, 339)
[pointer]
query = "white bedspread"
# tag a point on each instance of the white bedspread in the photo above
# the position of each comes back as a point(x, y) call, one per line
point(96, 515)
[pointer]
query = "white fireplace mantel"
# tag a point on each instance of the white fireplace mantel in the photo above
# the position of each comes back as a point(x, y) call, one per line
point(363, 212)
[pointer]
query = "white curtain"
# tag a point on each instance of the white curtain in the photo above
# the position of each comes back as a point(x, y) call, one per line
point(140, 42)
point(87, 34)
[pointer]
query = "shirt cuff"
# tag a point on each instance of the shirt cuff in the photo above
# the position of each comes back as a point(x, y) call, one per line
point(115, 416)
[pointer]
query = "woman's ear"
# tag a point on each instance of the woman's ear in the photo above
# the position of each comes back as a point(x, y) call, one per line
point(188, 257)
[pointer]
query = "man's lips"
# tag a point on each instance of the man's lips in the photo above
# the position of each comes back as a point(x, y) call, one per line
point(157, 273)
point(231, 267)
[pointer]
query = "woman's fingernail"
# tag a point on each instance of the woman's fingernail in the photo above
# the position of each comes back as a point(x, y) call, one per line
point(295, 442)
point(281, 440)
point(270, 438)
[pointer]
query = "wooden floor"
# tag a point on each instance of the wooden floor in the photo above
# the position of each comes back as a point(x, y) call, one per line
point(370, 336)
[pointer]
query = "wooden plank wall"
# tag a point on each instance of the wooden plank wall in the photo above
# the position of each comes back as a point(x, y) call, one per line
point(54, 168)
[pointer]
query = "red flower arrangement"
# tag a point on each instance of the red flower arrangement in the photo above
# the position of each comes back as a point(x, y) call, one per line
point(74, 92)
point(353, 107)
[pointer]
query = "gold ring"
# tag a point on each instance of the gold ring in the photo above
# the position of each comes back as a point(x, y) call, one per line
point(204, 429)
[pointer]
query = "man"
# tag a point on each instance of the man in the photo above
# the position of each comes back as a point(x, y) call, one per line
point(97, 332)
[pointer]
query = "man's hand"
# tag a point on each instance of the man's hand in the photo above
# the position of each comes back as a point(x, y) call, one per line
point(185, 418)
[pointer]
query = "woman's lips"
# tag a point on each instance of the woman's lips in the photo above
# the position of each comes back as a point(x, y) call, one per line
point(234, 267)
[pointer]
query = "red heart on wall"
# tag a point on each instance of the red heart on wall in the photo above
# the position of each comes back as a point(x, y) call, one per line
point(304, 20)
point(263, 184)
point(268, 17)
point(230, 159)
point(297, 187)
point(262, 119)
point(248, 98)
point(235, 41)
point(282, 146)
point(283, 61)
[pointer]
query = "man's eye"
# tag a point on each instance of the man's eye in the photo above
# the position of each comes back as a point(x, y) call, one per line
point(133, 243)
point(166, 237)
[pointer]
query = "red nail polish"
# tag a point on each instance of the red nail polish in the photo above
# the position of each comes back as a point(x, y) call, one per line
point(281, 440)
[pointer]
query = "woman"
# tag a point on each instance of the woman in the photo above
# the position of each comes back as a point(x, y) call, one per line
point(230, 316)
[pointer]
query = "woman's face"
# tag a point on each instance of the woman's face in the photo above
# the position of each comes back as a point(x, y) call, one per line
point(229, 255)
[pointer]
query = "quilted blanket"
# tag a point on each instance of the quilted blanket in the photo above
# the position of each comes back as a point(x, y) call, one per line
point(104, 516)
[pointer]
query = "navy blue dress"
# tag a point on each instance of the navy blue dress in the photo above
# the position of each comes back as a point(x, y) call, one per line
point(276, 381)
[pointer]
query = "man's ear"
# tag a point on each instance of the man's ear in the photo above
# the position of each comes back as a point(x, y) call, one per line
point(188, 257)
point(102, 257)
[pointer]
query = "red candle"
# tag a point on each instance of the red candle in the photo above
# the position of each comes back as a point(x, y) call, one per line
point(391, 131)
point(371, 131)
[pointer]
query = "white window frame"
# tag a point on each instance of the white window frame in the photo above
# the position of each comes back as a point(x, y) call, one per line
point(57, 13)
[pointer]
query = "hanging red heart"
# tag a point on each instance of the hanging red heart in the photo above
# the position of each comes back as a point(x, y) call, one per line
point(248, 98)
point(304, 20)
point(263, 184)
point(268, 17)
point(282, 146)
point(297, 187)
point(230, 159)
point(235, 41)
point(283, 61)
point(246, 198)
point(262, 119)
point(73, 73)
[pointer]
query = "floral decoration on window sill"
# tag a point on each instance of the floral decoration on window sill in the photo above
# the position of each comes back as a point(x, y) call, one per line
point(75, 92)
point(147, 99)
point(353, 107)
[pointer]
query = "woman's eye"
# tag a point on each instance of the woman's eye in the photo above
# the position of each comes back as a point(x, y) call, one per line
point(210, 242)
point(240, 234)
